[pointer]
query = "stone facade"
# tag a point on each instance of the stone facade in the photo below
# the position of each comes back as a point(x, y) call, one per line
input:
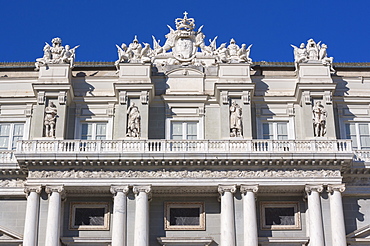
point(187, 143)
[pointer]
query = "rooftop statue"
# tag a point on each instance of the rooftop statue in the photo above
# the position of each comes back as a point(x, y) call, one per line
point(56, 54)
point(312, 51)
point(183, 46)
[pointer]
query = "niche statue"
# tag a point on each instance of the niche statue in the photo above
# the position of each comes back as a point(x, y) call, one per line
point(235, 120)
point(49, 119)
point(319, 119)
point(133, 121)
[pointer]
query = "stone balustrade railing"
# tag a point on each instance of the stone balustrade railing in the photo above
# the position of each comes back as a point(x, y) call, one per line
point(184, 146)
point(7, 156)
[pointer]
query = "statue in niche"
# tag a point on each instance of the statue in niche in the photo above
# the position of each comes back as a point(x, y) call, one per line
point(133, 121)
point(235, 120)
point(56, 54)
point(50, 119)
point(319, 119)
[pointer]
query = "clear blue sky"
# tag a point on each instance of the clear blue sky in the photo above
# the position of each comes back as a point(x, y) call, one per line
point(270, 25)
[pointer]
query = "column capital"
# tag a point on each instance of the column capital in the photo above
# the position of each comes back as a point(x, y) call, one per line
point(56, 188)
point(248, 188)
point(226, 188)
point(317, 188)
point(142, 188)
point(119, 188)
point(29, 189)
point(337, 187)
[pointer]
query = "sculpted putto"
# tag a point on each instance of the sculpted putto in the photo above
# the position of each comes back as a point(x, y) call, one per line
point(56, 54)
point(319, 119)
point(312, 51)
point(183, 46)
point(50, 119)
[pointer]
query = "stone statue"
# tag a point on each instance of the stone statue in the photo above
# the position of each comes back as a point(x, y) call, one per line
point(222, 53)
point(146, 53)
point(312, 52)
point(235, 120)
point(313, 49)
point(50, 119)
point(122, 55)
point(323, 56)
point(134, 50)
point(56, 54)
point(133, 121)
point(233, 49)
point(319, 119)
point(300, 55)
point(69, 55)
point(243, 54)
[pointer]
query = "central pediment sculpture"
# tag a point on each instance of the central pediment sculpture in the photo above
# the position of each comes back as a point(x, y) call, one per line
point(183, 46)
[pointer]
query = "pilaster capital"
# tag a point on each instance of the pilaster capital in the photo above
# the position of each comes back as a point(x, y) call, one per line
point(142, 188)
point(226, 188)
point(338, 187)
point(114, 189)
point(311, 188)
point(29, 189)
point(248, 188)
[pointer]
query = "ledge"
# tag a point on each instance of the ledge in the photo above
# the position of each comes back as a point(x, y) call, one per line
point(182, 241)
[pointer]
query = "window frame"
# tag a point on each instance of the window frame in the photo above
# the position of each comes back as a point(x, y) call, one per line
point(167, 215)
point(345, 134)
point(72, 216)
point(11, 133)
point(79, 123)
point(199, 123)
point(280, 204)
point(288, 120)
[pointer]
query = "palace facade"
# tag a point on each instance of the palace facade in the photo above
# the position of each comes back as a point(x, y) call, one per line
point(184, 144)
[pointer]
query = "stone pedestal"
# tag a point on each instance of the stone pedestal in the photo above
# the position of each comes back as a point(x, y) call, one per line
point(32, 213)
point(119, 215)
point(338, 230)
point(315, 216)
point(314, 72)
point(141, 237)
point(250, 214)
point(227, 214)
point(134, 73)
point(55, 74)
point(53, 219)
point(234, 73)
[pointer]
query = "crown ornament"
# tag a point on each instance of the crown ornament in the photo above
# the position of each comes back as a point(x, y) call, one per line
point(186, 24)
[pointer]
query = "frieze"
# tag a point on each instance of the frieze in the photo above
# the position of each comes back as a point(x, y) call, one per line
point(11, 183)
point(186, 174)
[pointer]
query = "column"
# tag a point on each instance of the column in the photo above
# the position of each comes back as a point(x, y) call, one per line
point(250, 214)
point(32, 214)
point(142, 215)
point(338, 231)
point(227, 215)
point(315, 217)
point(53, 221)
point(119, 215)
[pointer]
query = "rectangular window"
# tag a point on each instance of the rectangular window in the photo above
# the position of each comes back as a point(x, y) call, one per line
point(280, 216)
point(10, 133)
point(359, 133)
point(275, 130)
point(93, 131)
point(184, 130)
point(184, 216)
point(89, 216)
